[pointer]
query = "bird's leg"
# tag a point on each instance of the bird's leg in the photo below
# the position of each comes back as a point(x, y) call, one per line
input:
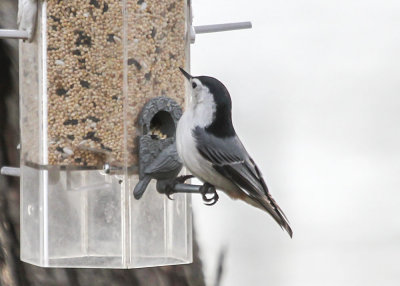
point(177, 185)
point(168, 187)
point(205, 189)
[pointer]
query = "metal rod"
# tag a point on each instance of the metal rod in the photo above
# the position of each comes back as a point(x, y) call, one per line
point(182, 188)
point(222, 27)
point(190, 189)
point(10, 171)
point(186, 188)
point(14, 34)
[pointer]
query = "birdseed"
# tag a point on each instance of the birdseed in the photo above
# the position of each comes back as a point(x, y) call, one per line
point(98, 79)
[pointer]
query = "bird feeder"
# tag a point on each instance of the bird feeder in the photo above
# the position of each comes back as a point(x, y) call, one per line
point(87, 68)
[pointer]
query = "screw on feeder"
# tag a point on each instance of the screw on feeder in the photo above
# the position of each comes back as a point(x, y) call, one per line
point(109, 169)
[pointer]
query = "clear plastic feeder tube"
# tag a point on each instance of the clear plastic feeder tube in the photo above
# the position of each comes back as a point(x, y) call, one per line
point(84, 79)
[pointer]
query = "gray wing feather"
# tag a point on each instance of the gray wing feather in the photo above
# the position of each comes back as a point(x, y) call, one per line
point(229, 158)
point(168, 160)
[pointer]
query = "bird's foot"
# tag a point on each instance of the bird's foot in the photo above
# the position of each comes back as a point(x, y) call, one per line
point(170, 187)
point(182, 179)
point(206, 189)
point(177, 185)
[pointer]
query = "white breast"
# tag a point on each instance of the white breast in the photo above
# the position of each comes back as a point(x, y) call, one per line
point(200, 112)
point(187, 150)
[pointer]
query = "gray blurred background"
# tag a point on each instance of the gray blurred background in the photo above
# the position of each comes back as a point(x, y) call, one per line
point(316, 101)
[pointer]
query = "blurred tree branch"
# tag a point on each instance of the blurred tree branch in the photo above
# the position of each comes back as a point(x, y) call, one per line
point(12, 270)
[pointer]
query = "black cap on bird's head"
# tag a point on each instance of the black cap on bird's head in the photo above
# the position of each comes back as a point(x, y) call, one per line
point(206, 87)
point(215, 87)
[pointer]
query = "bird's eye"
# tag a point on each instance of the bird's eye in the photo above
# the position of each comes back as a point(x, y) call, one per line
point(194, 85)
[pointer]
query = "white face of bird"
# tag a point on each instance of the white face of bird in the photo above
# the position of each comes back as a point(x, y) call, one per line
point(201, 101)
point(200, 94)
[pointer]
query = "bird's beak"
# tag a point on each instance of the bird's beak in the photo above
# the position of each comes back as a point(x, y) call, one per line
point(188, 76)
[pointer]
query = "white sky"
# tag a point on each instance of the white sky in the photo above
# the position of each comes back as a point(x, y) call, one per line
point(316, 101)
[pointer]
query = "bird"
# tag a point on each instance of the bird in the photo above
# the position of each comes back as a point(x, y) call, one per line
point(164, 168)
point(210, 149)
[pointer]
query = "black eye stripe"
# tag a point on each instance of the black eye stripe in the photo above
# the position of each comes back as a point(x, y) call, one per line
point(194, 84)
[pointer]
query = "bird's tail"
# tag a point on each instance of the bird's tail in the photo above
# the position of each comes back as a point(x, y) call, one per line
point(140, 187)
point(270, 205)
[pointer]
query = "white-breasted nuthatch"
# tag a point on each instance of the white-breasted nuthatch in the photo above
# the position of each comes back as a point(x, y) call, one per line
point(209, 147)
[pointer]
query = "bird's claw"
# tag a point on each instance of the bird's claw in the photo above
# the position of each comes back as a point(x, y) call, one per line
point(209, 189)
point(182, 179)
point(170, 188)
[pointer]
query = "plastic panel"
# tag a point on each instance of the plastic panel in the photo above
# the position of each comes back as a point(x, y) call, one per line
point(73, 214)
